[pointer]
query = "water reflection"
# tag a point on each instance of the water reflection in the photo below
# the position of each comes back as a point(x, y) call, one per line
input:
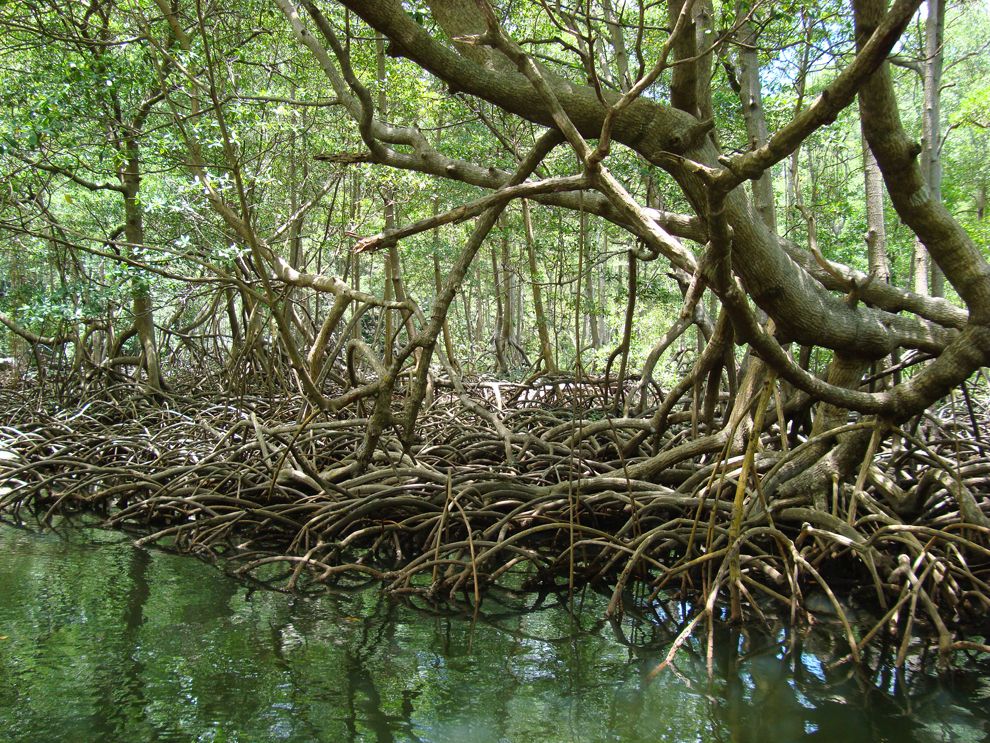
point(101, 641)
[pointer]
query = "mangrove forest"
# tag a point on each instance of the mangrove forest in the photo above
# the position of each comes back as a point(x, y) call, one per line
point(680, 303)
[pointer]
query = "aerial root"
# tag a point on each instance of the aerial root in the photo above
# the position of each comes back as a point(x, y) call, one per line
point(272, 492)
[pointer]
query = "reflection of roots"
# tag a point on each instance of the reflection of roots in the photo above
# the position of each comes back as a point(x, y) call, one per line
point(561, 494)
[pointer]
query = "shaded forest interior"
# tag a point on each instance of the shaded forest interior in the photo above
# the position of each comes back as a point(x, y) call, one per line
point(454, 295)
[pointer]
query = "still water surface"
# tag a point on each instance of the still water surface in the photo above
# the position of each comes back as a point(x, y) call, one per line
point(100, 641)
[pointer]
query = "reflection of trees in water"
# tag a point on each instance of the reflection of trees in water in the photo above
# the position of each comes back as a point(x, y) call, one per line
point(120, 681)
point(790, 684)
point(777, 685)
point(161, 647)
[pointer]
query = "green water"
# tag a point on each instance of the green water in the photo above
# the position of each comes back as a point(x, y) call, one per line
point(100, 641)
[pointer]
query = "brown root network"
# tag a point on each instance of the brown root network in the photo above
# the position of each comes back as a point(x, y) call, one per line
point(547, 502)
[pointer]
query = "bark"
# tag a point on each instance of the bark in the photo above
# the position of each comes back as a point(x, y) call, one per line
point(448, 341)
point(505, 271)
point(235, 327)
point(144, 313)
point(931, 156)
point(751, 96)
point(388, 349)
point(578, 294)
point(618, 44)
point(704, 36)
point(481, 307)
point(622, 350)
point(592, 312)
point(393, 271)
point(684, 76)
point(876, 231)
point(546, 349)
point(460, 20)
point(355, 257)
point(501, 339)
point(843, 371)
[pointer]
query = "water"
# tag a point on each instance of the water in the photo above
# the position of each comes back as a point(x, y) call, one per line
point(100, 641)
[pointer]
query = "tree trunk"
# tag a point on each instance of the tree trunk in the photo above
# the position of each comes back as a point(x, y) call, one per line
point(703, 19)
point(501, 324)
point(355, 257)
point(927, 277)
point(546, 349)
point(684, 75)
point(578, 316)
point(618, 45)
point(876, 232)
point(448, 343)
point(144, 312)
point(751, 96)
point(931, 154)
point(591, 310)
